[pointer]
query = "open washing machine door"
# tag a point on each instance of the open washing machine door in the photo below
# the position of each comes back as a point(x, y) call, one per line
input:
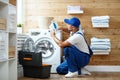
point(28, 45)
point(45, 46)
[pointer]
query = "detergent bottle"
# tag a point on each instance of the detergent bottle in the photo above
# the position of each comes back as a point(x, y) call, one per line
point(54, 25)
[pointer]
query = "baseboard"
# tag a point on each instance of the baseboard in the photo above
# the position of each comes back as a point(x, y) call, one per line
point(103, 68)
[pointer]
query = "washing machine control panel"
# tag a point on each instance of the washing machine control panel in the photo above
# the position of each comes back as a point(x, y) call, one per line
point(36, 32)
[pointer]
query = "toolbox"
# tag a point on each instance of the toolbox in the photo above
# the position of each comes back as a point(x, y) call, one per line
point(37, 72)
point(32, 65)
point(30, 58)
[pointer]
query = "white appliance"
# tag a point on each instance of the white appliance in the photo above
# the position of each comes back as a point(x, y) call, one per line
point(51, 52)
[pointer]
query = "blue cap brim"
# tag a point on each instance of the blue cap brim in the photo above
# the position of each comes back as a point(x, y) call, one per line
point(67, 21)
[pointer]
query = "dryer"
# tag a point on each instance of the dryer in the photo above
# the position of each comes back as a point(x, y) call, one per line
point(51, 52)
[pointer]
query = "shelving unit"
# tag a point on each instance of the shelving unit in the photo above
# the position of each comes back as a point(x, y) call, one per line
point(8, 52)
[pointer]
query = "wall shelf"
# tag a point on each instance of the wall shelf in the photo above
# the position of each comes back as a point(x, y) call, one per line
point(75, 12)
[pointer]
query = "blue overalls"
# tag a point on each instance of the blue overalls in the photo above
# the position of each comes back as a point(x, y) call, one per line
point(75, 60)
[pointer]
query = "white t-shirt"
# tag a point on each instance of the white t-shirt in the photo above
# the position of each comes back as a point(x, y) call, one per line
point(78, 41)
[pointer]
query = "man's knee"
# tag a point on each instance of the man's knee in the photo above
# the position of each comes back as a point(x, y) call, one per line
point(61, 70)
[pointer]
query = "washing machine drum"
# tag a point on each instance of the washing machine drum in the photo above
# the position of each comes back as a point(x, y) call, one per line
point(44, 46)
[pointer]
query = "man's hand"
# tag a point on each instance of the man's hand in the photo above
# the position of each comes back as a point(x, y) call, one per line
point(52, 32)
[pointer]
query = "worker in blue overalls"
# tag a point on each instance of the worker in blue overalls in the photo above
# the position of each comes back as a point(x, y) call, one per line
point(76, 50)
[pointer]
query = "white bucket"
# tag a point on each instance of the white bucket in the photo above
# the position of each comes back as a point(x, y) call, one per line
point(44, 22)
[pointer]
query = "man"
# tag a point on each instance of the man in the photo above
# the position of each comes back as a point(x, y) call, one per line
point(76, 50)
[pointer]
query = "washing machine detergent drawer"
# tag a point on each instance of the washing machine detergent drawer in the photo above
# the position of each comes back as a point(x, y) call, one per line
point(30, 58)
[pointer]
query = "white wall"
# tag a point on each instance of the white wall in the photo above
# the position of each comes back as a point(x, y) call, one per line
point(19, 11)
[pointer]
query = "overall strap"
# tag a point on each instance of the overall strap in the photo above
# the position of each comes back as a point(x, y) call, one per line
point(90, 50)
point(83, 37)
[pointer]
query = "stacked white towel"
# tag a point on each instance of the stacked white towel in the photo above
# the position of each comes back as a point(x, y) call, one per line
point(100, 45)
point(100, 21)
point(74, 9)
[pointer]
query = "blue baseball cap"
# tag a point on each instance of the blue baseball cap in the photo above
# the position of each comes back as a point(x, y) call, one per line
point(73, 21)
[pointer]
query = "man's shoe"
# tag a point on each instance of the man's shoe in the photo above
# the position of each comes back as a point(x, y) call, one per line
point(85, 72)
point(71, 74)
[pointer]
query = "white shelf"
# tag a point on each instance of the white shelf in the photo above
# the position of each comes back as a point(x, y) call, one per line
point(13, 58)
point(8, 51)
point(75, 12)
point(3, 60)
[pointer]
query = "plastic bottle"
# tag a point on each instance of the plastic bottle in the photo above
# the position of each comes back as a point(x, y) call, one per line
point(54, 25)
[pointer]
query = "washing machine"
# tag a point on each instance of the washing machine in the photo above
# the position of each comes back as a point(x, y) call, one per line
point(51, 52)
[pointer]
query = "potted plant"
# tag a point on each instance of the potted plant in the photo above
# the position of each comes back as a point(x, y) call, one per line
point(19, 28)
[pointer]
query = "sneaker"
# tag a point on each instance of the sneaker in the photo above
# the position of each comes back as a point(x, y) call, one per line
point(71, 74)
point(85, 72)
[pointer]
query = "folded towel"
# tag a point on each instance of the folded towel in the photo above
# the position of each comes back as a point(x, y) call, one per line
point(101, 50)
point(101, 25)
point(100, 42)
point(100, 17)
point(100, 46)
point(100, 21)
point(100, 39)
